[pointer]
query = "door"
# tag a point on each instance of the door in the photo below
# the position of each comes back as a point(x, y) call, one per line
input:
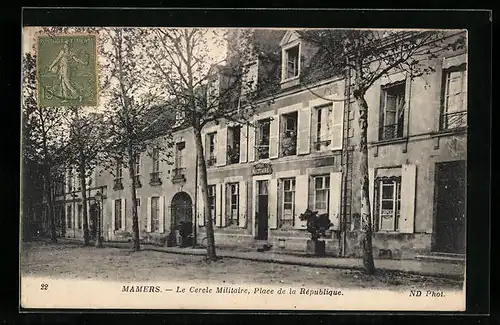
point(262, 213)
point(450, 201)
point(93, 211)
point(181, 209)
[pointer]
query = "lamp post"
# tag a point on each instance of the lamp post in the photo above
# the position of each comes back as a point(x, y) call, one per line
point(98, 199)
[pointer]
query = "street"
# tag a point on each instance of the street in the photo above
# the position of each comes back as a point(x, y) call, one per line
point(72, 261)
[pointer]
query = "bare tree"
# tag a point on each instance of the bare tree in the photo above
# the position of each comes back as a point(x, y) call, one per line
point(204, 85)
point(131, 112)
point(371, 55)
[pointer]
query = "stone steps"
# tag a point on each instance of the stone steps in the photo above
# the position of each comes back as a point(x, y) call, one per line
point(442, 257)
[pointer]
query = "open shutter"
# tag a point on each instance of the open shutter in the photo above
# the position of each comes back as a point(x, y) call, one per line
point(113, 211)
point(162, 214)
point(242, 209)
point(251, 143)
point(221, 146)
point(304, 134)
point(218, 205)
point(337, 125)
point(335, 197)
point(226, 201)
point(123, 214)
point(148, 222)
point(408, 185)
point(273, 203)
point(200, 208)
point(274, 131)
point(371, 190)
point(243, 143)
point(301, 200)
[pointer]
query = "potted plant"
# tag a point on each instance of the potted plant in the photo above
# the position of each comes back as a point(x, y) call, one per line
point(317, 225)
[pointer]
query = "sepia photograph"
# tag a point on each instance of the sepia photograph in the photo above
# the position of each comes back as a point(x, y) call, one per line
point(243, 168)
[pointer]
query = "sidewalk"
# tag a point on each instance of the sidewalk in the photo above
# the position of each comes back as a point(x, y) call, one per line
point(434, 269)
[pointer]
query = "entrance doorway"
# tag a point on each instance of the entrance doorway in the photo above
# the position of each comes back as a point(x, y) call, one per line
point(181, 209)
point(94, 214)
point(262, 212)
point(450, 207)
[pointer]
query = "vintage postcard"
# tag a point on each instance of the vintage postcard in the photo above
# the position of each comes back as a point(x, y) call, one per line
point(236, 168)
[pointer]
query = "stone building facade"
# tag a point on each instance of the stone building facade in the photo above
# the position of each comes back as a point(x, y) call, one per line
point(299, 151)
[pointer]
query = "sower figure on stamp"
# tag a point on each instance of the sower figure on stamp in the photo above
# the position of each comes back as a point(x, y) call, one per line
point(61, 67)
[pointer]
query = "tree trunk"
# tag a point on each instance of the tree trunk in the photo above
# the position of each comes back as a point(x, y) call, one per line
point(202, 173)
point(366, 237)
point(83, 187)
point(52, 217)
point(135, 220)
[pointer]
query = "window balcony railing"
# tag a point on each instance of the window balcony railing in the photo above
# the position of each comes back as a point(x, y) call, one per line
point(289, 146)
point(138, 183)
point(178, 175)
point(211, 161)
point(453, 120)
point(391, 131)
point(155, 179)
point(118, 184)
point(233, 154)
point(262, 151)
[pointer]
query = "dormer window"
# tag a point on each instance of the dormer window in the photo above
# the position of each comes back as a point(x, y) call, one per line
point(292, 62)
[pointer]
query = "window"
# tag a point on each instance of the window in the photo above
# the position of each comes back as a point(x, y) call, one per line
point(156, 160)
point(138, 202)
point(288, 202)
point(80, 217)
point(179, 155)
point(388, 191)
point(70, 181)
point(118, 214)
point(392, 111)
point(289, 134)
point(180, 116)
point(137, 170)
point(211, 146)
point(233, 146)
point(69, 217)
point(232, 202)
point(454, 102)
point(118, 184)
point(211, 201)
point(321, 193)
point(262, 138)
point(155, 213)
point(323, 127)
point(155, 174)
point(292, 62)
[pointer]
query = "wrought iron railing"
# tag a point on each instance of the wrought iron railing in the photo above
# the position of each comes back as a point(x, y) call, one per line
point(289, 146)
point(155, 178)
point(262, 151)
point(453, 120)
point(178, 175)
point(391, 131)
point(118, 184)
point(211, 161)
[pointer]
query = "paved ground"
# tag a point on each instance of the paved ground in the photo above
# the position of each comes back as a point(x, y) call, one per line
point(73, 261)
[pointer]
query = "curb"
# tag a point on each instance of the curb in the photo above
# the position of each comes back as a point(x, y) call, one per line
point(148, 247)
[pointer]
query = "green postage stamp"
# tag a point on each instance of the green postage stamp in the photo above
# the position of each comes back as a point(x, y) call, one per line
point(67, 70)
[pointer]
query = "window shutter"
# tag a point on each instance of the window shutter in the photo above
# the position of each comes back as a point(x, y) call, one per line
point(221, 146)
point(242, 205)
point(337, 125)
point(301, 200)
point(203, 144)
point(304, 134)
point(273, 203)
point(251, 143)
point(335, 198)
point(123, 214)
point(200, 208)
point(274, 131)
point(371, 190)
point(225, 202)
point(148, 224)
point(408, 185)
point(218, 205)
point(113, 216)
point(243, 143)
point(161, 222)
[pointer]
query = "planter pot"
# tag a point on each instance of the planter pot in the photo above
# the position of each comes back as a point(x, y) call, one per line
point(316, 247)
